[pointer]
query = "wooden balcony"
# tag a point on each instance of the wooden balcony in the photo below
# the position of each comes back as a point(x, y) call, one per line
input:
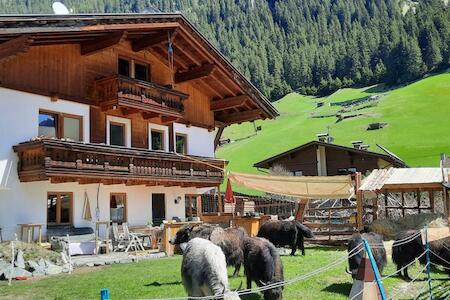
point(66, 161)
point(136, 95)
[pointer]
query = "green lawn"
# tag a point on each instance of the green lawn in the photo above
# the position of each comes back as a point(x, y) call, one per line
point(417, 116)
point(161, 278)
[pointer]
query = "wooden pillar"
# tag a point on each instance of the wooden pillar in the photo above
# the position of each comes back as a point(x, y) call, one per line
point(375, 207)
point(446, 203)
point(171, 138)
point(219, 200)
point(431, 197)
point(199, 206)
point(359, 203)
point(403, 204)
point(418, 200)
point(386, 215)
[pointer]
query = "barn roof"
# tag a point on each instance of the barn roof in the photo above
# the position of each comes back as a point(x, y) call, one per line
point(80, 28)
point(265, 164)
point(404, 178)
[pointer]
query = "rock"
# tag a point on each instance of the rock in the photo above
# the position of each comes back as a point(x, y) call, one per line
point(36, 268)
point(20, 262)
point(53, 269)
point(17, 272)
point(99, 263)
point(89, 264)
point(67, 268)
point(4, 266)
point(64, 258)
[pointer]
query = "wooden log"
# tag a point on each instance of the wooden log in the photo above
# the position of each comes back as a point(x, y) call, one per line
point(101, 44)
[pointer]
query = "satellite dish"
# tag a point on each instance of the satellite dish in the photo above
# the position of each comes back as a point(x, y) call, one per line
point(59, 8)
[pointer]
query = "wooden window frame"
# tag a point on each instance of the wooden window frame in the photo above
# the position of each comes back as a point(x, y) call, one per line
point(124, 125)
point(133, 61)
point(60, 122)
point(125, 213)
point(162, 132)
point(185, 144)
point(58, 208)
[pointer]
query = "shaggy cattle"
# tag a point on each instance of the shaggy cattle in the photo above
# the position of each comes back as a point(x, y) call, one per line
point(262, 264)
point(286, 233)
point(379, 252)
point(229, 240)
point(204, 270)
point(405, 251)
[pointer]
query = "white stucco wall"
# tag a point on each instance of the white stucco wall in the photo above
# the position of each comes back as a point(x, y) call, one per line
point(200, 141)
point(27, 202)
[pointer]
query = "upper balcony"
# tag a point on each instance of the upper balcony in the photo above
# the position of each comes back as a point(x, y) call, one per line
point(153, 99)
point(66, 161)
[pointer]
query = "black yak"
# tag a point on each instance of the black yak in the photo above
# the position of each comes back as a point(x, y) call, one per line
point(262, 264)
point(406, 249)
point(230, 240)
point(286, 233)
point(379, 252)
point(204, 270)
point(405, 253)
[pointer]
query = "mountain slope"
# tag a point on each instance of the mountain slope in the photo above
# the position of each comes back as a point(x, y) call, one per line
point(417, 117)
point(310, 46)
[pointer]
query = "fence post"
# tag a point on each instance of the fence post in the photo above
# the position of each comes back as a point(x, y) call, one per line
point(427, 256)
point(375, 269)
point(104, 294)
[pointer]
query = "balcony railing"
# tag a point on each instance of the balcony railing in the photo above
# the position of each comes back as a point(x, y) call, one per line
point(130, 93)
point(67, 161)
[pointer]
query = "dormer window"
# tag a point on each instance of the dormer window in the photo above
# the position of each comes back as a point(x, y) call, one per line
point(133, 69)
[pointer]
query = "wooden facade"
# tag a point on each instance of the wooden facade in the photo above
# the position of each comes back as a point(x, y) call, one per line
point(324, 159)
point(78, 58)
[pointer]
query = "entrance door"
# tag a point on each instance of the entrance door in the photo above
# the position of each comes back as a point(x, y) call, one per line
point(158, 208)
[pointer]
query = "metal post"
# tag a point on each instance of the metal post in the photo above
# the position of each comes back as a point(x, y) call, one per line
point(427, 256)
point(375, 270)
point(104, 294)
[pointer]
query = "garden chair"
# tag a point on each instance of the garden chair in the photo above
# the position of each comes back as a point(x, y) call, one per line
point(133, 239)
point(119, 241)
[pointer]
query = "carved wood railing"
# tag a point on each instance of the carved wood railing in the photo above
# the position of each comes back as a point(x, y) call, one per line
point(47, 158)
point(119, 90)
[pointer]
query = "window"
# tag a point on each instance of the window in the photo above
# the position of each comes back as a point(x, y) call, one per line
point(133, 69)
point(141, 71)
point(124, 67)
point(346, 171)
point(60, 125)
point(118, 207)
point(59, 208)
point(48, 124)
point(181, 143)
point(116, 134)
point(157, 140)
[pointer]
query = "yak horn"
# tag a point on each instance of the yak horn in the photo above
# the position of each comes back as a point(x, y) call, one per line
point(240, 286)
point(348, 272)
point(262, 282)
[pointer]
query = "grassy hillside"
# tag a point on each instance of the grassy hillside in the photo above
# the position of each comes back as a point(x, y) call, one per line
point(417, 117)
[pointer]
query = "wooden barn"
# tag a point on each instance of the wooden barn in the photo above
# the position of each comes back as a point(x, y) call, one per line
point(320, 158)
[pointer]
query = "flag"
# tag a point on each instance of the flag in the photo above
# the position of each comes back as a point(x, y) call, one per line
point(229, 197)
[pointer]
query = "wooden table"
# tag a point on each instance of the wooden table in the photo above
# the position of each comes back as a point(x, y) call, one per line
point(170, 230)
point(102, 243)
point(30, 232)
point(250, 224)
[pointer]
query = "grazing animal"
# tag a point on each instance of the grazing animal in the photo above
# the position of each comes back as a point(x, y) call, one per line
point(230, 240)
point(379, 252)
point(286, 233)
point(262, 264)
point(204, 270)
point(405, 253)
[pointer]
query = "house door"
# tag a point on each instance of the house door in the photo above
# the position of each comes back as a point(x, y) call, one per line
point(158, 209)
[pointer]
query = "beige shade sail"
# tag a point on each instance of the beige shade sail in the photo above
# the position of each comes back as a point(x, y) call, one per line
point(311, 187)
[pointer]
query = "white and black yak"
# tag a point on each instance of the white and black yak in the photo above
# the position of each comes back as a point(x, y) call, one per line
point(230, 240)
point(262, 264)
point(286, 233)
point(379, 252)
point(204, 270)
point(405, 251)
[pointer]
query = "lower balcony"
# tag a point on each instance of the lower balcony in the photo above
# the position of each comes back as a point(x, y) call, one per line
point(66, 161)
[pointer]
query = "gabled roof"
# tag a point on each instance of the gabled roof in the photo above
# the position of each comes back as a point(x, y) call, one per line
point(34, 30)
point(265, 164)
